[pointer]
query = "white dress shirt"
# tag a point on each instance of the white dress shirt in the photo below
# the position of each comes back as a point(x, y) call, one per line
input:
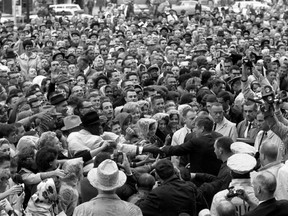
point(178, 139)
point(271, 137)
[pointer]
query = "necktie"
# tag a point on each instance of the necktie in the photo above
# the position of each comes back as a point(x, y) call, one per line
point(263, 137)
point(214, 126)
point(247, 129)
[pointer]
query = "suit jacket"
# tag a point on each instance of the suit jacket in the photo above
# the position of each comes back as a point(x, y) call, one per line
point(234, 115)
point(213, 184)
point(171, 198)
point(201, 154)
point(270, 207)
point(252, 133)
point(184, 160)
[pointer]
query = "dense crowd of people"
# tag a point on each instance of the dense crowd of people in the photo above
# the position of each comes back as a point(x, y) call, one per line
point(159, 115)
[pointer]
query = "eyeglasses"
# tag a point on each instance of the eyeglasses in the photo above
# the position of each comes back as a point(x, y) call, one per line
point(55, 64)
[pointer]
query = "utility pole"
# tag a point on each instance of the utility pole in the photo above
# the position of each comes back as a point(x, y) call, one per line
point(14, 11)
point(28, 10)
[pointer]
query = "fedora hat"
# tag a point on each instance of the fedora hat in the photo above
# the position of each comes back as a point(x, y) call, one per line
point(57, 99)
point(56, 54)
point(107, 176)
point(71, 122)
point(90, 118)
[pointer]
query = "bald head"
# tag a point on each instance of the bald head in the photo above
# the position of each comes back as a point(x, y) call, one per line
point(269, 152)
point(266, 182)
point(226, 208)
point(146, 181)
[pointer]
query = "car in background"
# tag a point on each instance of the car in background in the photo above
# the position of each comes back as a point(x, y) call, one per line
point(243, 5)
point(141, 8)
point(188, 6)
point(70, 14)
point(65, 7)
point(9, 17)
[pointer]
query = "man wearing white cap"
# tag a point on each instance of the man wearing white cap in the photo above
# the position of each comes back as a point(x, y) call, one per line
point(107, 178)
point(241, 165)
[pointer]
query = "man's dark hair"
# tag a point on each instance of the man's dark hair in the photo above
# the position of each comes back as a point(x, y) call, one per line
point(224, 143)
point(217, 82)
point(225, 95)
point(206, 122)
point(4, 157)
point(6, 129)
point(27, 43)
point(130, 74)
point(100, 158)
point(206, 75)
point(156, 97)
point(44, 157)
point(10, 98)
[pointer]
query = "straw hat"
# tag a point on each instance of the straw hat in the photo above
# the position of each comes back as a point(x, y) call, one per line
point(107, 176)
point(71, 122)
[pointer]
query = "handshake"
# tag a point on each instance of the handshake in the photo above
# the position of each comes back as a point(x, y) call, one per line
point(155, 150)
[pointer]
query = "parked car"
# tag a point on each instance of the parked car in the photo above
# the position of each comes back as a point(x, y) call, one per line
point(65, 7)
point(70, 14)
point(141, 8)
point(243, 5)
point(188, 6)
point(9, 17)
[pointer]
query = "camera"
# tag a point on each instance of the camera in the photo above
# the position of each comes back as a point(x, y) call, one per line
point(118, 157)
point(247, 63)
point(268, 98)
point(234, 193)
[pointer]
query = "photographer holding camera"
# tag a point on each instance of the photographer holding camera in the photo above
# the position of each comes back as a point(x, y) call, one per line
point(240, 165)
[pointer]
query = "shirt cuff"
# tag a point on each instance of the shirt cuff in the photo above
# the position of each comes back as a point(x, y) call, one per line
point(140, 150)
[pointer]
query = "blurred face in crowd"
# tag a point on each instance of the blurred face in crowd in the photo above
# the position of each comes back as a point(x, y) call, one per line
point(95, 102)
point(171, 83)
point(32, 73)
point(62, 108)
point(158, 105)
point(116, 129)
point(107, 109)
point(134, 79)
point(135, 115)
point(217, 113)
point(131, 96)
point(78, 91)
point(261, 123)
point(55, 65)
point(249, 112)
point(198, 130)
point(14, 78)
point(109, 65)
point(271, 76)
point(190, 119)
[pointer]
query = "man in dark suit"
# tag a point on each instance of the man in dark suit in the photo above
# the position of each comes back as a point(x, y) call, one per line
point(185, 160)
point(248, 127)
point(264, 187)
point(211, 184)
point(230, 112)
point(200, 148)
point(172, 197)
